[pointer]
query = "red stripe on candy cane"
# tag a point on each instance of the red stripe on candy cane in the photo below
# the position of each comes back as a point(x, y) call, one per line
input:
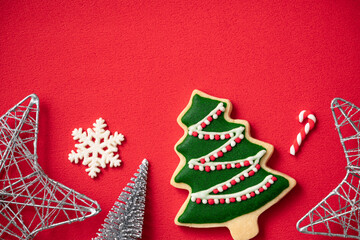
point(304, 131)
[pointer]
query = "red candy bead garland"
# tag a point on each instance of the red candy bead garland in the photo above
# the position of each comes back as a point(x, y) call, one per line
point(207, 166)
point(245, 197)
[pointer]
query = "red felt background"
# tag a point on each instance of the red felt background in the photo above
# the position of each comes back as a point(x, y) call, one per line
point(136, 63)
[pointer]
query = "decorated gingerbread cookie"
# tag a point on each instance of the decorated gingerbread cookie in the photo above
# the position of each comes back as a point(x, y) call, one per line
point(224, 169)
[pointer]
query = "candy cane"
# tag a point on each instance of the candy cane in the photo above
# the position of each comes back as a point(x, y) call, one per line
point(304, 131)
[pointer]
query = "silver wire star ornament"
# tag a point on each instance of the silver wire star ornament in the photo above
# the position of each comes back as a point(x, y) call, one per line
point(338, 213)
point(29, 200)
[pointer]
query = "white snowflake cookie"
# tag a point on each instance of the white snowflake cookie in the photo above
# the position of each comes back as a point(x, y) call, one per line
point(96, 148)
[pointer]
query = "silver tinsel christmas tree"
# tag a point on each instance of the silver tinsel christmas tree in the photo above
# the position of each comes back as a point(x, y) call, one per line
point(125, 219)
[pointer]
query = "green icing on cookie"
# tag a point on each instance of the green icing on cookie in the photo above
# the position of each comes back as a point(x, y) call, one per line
point(194, 148)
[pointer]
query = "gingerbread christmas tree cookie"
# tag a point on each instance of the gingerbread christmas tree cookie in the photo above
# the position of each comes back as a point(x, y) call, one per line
point(224, 169)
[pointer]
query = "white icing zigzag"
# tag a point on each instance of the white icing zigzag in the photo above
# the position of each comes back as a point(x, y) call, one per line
point(207, 163)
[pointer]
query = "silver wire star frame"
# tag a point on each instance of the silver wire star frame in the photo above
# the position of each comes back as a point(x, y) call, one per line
point(29, 200)
point(338, 214)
